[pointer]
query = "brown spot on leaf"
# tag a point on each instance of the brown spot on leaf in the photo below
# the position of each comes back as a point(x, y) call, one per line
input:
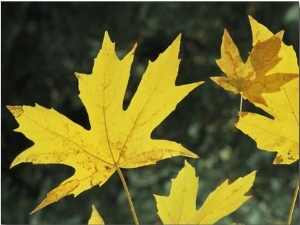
point(278, 159)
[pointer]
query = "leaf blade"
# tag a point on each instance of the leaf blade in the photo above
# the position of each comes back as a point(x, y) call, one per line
point(180, 206)
point(224, 200)
point(280, 134)
point(118, 138)
point(269, 57)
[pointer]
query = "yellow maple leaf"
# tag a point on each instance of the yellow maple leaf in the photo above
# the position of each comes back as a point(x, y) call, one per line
point(118, 138)
point(180, 206)
point(265, 70)
point(95, 217)
point(280, 134)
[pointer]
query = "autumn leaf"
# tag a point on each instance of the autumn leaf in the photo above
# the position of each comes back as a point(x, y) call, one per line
point(180, 206)
point(265, 70)
point(287, 54)
point(118, 138)
point(280, 134)
point(95, 217)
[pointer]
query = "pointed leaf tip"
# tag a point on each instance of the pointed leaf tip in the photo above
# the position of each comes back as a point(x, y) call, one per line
point(95, 217)
point(106, 34)
point(15, 110)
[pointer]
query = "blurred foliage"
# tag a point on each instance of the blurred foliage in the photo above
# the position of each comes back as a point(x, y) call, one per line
point(43, 44)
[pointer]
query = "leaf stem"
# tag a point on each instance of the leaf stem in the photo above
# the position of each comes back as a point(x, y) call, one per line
point(241, 103)
point(128, 195)
point(293, 204)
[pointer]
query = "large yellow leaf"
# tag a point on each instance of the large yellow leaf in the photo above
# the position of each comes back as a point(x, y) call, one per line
point(280, 134)
point(266, 68)
point(95, 217)
point(180, 206)
point(118, 138)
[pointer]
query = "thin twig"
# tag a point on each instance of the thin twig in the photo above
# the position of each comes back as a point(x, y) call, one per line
point(293, 204)
point(128, 196)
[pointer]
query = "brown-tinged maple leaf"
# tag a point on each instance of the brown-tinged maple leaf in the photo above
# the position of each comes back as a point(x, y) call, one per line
point(265, 70)
point(180, 206)
point(280, 134)
point(118, 138)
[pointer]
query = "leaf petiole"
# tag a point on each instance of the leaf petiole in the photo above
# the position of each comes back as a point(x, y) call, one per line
point(128, 195)
point(293, 204)
point(241, 103)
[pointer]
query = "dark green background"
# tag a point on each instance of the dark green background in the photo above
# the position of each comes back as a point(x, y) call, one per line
point(43, 44)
